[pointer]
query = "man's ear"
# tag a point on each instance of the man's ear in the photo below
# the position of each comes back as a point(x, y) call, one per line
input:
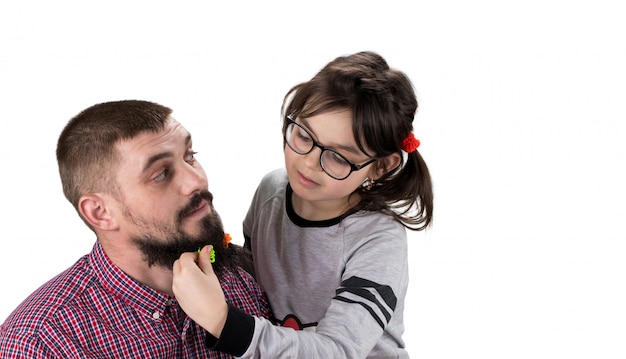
point(95, 211)
point(387, 164)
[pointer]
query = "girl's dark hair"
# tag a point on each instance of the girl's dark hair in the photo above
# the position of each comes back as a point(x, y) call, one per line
point(383, 105)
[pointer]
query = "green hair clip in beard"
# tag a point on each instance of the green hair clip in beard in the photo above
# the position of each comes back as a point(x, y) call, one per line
point(227, 239)
point(211, 255)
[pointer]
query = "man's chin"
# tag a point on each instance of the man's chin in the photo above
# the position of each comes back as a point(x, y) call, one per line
point(158, 253)
point(194, 229)
point(192, 233)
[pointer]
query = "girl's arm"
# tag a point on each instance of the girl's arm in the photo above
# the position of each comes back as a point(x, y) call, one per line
point(351, 327)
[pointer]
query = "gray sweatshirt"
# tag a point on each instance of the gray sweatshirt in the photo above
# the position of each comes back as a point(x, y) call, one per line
point(341, 283)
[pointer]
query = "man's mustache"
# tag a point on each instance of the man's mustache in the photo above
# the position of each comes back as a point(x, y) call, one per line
point(194, 202)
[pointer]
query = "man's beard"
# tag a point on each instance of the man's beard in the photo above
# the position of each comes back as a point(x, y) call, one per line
point(163, 252)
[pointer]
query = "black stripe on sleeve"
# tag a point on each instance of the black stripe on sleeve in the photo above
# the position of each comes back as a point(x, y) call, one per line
point(363, 288)
point(367, 295)
point(367, 307)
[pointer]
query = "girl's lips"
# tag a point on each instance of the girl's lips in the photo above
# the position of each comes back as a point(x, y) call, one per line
point(305, 181)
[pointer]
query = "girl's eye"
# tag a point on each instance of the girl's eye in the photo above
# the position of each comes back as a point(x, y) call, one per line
point(303, 135)
point(337, 158)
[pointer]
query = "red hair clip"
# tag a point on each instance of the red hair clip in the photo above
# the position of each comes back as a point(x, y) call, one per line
point(227, 239)
point(410, 143)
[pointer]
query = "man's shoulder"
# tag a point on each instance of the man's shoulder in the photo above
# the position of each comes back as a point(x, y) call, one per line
point(241, 289)
point(238, 281)
point(44, 303)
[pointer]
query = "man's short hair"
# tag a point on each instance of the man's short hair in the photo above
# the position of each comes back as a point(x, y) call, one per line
point(86, 147)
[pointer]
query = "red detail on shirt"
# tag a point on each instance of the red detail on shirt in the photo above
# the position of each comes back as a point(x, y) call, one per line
point(292, 322)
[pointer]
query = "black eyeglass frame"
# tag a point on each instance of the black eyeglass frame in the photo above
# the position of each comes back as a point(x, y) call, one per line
point(353, 166)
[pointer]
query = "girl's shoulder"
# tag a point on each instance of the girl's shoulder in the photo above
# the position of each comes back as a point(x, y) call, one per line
point(374, 235)
point(374, 224)
point(274, 180)
point(271, 188)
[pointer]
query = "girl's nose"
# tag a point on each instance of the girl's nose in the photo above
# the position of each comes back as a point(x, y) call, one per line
point(312, 159)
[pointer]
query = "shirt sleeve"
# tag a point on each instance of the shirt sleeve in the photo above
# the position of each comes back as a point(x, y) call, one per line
point(19, 343)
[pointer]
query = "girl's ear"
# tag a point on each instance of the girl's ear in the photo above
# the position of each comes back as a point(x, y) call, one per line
point(387, 164)
point(94, 210)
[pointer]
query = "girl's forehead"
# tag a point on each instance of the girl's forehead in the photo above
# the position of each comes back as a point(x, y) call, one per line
point(334, 129)
point(333, 120)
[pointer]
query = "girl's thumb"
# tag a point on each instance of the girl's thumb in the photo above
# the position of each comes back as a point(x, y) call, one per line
point(204, 260)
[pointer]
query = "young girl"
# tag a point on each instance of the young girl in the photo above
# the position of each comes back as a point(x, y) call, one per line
point(328, 232)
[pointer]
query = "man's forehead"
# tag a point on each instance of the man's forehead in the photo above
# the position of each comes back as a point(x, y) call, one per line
point(149, 143)
point(171, 129)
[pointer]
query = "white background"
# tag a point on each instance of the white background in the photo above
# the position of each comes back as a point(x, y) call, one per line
point(521, 118)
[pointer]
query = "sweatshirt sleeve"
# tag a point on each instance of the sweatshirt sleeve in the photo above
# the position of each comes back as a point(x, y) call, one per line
point(236, 335)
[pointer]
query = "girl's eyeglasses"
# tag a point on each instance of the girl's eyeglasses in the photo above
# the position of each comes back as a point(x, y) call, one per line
point(332, 162)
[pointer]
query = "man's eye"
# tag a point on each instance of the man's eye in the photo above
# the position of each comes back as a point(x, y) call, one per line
point(161, 176)
point(191, 157)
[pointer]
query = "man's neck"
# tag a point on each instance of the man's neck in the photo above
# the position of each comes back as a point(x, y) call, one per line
point(130, 260)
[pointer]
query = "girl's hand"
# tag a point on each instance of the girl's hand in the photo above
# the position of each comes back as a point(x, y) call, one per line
point(198, 291)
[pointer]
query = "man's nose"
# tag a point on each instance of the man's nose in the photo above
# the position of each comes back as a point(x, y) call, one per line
point(193, 179)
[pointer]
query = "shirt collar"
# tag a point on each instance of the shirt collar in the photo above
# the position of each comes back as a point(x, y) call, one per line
point(117, 283)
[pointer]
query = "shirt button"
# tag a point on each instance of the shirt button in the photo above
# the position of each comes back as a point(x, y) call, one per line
point(156, 315)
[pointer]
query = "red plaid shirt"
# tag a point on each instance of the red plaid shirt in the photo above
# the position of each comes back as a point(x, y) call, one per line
point(94, 310)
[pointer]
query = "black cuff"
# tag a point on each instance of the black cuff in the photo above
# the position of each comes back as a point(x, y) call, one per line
point(236, 335)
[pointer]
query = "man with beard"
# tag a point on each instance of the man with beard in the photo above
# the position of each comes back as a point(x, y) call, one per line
point(129, 170)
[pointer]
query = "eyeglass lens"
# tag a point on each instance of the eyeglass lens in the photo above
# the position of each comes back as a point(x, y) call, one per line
point(301, 141)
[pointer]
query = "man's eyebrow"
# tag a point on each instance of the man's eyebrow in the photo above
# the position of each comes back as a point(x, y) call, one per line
point(162, 155)
point(155, 158)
